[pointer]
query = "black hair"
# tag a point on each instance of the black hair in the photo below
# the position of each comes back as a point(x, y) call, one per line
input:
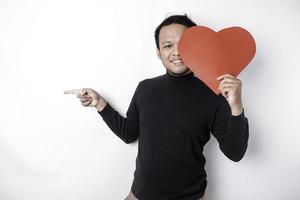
point(174, 19)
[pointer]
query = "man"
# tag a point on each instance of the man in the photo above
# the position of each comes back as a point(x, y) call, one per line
point(173, 116)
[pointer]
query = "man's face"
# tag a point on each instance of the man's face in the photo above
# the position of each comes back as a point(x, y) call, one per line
point(168, 53)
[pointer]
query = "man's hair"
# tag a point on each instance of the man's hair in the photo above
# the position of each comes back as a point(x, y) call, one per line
point(174, 19)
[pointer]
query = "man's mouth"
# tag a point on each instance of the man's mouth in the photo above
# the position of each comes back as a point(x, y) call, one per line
point(177, 62)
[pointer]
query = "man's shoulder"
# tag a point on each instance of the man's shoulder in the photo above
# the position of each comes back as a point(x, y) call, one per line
point(152, 80)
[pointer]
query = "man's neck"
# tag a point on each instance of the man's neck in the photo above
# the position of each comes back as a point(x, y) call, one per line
point(179, 75)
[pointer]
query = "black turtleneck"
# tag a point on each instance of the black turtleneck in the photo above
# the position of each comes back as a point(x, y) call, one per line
point(173, 118)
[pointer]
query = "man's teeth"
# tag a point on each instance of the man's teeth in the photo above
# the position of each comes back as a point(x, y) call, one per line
point(177, 62)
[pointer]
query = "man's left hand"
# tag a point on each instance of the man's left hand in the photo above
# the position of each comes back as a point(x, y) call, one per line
point(231, 89)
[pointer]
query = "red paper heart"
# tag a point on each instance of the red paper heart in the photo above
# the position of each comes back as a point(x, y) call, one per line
point(210, 54)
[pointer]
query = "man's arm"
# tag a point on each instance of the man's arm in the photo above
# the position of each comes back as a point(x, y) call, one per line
point(230, 126)
point(231, 132)
point(125, 128)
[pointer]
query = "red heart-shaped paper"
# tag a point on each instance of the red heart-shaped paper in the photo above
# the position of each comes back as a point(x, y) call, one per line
point(210, 54)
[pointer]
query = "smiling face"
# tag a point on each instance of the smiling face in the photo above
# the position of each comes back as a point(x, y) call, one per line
point(168, 52)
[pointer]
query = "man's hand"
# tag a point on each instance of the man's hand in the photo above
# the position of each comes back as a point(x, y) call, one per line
point(89, 97)
point(231, 89)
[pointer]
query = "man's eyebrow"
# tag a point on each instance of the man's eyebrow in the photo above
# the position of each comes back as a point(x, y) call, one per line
point(166, 42)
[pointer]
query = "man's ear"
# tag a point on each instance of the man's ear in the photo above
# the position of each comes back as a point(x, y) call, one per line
point(158, 53)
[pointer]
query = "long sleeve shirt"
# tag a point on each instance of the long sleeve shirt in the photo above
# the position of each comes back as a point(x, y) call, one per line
point(173, 118)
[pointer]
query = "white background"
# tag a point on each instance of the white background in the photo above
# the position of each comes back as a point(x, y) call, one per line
point(53, 148)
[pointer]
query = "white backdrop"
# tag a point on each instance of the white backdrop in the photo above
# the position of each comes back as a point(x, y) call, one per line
point(53, 148)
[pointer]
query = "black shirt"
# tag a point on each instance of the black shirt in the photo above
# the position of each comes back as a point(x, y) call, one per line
point(173, 117)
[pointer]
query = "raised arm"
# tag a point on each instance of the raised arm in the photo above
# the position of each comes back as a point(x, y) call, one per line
point(127, 128)
point(229, 124)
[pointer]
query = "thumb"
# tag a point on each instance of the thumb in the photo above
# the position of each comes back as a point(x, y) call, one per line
point(94, 102)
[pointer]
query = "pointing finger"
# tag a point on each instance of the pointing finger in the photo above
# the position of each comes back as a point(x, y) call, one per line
point(77, 91)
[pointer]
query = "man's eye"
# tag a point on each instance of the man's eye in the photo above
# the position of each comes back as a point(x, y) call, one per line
point(167, 46)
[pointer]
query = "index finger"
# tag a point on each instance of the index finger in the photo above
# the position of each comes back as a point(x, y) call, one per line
point(77, 91)
point(225, 75)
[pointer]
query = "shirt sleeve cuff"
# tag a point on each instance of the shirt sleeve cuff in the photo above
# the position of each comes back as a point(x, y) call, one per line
point(107, 112)
point(238, 121)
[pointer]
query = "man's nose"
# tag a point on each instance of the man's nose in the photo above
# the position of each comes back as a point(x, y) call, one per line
point(175, 51)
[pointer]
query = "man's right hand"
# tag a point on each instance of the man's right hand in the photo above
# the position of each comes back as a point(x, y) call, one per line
point(89, 98)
